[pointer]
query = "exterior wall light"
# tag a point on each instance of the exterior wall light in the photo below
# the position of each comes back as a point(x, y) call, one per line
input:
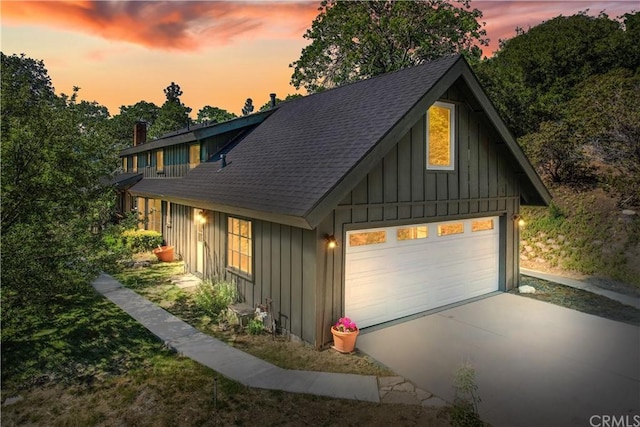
point(332, 243)
point(518, 220)
point(201, 217)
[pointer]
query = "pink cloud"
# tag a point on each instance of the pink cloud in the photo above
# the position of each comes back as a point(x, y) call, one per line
point(168, 25)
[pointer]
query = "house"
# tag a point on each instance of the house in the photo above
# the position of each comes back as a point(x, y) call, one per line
point(379, 200)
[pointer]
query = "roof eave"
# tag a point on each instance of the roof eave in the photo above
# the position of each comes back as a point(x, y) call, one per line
point(200, 133)
point(292, 220)
point(543, 195)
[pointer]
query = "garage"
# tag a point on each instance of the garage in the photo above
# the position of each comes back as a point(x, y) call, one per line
point(393, 272)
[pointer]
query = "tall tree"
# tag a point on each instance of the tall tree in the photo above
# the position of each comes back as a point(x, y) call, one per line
point(173, 115)
point(122, 124)
point(533, 75)
point(214, 115)
point(356, 40)
point(248, 107)
point(606, 111)
point(267, 105)
point(55, 155)
point(173, 93)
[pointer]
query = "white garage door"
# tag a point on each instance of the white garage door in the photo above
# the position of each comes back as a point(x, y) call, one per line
point(394, 272)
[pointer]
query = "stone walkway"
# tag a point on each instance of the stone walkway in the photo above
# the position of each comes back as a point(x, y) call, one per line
point(251, 371)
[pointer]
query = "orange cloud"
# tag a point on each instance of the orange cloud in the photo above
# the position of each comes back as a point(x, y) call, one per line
point(168, 25)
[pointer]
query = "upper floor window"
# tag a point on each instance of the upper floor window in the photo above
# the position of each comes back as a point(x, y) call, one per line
point(160, 160)
point(440, 136)
point(239, 245)
point(124, 165)
point(194, 155)
point(134, 164)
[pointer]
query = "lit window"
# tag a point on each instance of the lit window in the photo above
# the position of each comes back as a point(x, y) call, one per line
point(134, 163)
point(413, 233)
point(451, 228)
point(154, 215)
point(367, 238)
point(440, 138)
point(239, 253)
point(481, 225)
point(194, 155)
point(159, 160)
point(124, 164)
point(141, 205)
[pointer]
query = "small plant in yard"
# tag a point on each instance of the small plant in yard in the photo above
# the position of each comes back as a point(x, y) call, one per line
point(255, 327)
point(214, 297)
point(465, 401)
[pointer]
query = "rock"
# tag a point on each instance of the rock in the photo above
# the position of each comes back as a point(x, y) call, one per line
point(141, 264)
point(526, 289)
point(12, 400)
point(434, 402)
point(406, 386)
point(629, 212)
point(561, 238)
point(387, 383)
point(423, 395)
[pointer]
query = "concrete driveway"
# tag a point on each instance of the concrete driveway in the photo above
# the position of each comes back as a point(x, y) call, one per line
point(537, 364)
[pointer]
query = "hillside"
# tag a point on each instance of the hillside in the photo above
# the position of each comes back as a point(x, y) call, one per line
point(584, 233)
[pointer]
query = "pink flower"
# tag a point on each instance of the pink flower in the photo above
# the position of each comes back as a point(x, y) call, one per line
point(345, 324)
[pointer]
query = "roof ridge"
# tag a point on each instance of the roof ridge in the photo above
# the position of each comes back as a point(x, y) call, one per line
point(457, 56)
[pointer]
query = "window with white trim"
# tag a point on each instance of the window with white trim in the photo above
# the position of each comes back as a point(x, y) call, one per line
point(239, 245)
point(440, 136)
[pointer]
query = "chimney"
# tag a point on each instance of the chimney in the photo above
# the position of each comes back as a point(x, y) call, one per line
point(273, 99)
point(140, 133)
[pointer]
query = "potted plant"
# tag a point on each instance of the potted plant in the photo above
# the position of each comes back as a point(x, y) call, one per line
point(344, 333)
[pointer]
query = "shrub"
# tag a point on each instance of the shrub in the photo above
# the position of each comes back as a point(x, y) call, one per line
point(255, 327)
point(141, 240)
point(214, 297)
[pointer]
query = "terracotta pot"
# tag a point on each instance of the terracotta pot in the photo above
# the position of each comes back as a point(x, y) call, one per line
point(164, 253)
point(344, 342)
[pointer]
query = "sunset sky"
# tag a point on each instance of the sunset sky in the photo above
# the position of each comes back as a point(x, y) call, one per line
point(220, 53)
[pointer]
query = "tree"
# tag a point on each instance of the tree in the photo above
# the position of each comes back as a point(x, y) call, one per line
point(606, 110)
point(356, 40)
point(214, 115)
point(556, 153)
point(56, 155)
point(267, 105)
point(173, 93)
point(173, 114)
point(248, 107)
point(532, 76)
point(122, 124)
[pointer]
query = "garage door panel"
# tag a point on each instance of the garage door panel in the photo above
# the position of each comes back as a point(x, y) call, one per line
point(399, 278)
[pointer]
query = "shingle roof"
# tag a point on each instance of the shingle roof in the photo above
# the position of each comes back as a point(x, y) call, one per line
point(294, 158)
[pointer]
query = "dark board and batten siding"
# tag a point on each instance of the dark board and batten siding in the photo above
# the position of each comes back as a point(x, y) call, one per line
point(283, 264)
point(399, 190)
